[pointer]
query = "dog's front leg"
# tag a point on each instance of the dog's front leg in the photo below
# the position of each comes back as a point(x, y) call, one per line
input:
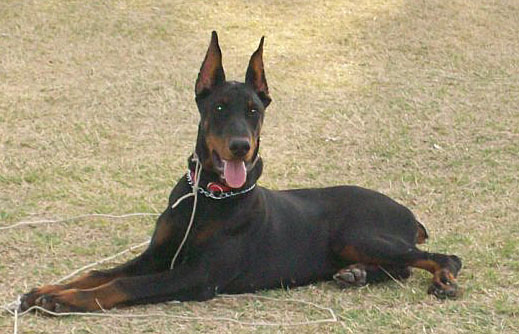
point(154, 259)
point(184, 283)
point(214, 266)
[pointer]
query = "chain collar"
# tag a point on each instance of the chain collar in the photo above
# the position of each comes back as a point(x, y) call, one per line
point(217, 194)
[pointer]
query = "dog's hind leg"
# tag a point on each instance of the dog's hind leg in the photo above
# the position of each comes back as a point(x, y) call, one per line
point(367, 254)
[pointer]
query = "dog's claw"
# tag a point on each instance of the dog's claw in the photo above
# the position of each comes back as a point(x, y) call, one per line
point(58, 308)
point(39, 300)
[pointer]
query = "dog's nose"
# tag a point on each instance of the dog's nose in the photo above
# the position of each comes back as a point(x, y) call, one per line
point(239, 146)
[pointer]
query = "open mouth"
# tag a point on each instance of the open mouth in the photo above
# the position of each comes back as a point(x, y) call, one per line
point(233, 172)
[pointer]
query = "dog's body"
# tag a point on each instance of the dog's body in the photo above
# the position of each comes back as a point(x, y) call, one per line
point(245, 237)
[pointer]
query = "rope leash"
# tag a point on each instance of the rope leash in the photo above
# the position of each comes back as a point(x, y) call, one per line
point(198, 172)
point(75, 218)
point(111, 314)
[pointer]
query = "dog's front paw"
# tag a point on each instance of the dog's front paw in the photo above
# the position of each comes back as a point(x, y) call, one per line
point(71, 300)
point(28, 300)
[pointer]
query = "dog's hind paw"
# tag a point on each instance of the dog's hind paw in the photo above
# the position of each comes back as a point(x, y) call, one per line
point(444, 286)
point(353, 275)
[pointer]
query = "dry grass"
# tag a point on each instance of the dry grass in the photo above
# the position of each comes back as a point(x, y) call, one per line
point(418, 99)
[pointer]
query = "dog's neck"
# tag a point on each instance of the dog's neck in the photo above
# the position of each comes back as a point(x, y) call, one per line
point(209, 176)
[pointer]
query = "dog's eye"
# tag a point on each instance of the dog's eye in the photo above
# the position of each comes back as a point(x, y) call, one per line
point(219, 108)
point(253, 111)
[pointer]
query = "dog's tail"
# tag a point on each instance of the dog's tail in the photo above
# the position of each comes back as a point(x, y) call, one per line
point(421, 233)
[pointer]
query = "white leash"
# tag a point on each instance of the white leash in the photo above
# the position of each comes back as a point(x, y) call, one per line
point(198, 172)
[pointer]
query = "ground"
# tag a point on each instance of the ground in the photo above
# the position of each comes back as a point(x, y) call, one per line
point(416, 99)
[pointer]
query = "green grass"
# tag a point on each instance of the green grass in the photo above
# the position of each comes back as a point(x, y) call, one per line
point(417, 99)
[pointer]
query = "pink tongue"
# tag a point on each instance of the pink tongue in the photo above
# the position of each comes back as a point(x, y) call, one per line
point(235, 173)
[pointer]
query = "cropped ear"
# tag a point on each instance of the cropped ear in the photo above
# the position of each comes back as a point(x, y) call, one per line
point(255, 76)
point(211, 73)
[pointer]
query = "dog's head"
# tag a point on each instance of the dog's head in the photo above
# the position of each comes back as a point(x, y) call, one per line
point(231, 115)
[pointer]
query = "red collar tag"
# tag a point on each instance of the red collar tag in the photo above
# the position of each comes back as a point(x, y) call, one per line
point(213, 187)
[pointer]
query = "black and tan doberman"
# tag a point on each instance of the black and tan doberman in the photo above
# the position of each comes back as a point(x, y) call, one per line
point(245, 237)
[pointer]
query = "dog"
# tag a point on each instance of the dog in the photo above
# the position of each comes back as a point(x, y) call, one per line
point(243, 237)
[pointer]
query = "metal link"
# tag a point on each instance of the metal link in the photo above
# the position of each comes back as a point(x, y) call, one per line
point(223, 195)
